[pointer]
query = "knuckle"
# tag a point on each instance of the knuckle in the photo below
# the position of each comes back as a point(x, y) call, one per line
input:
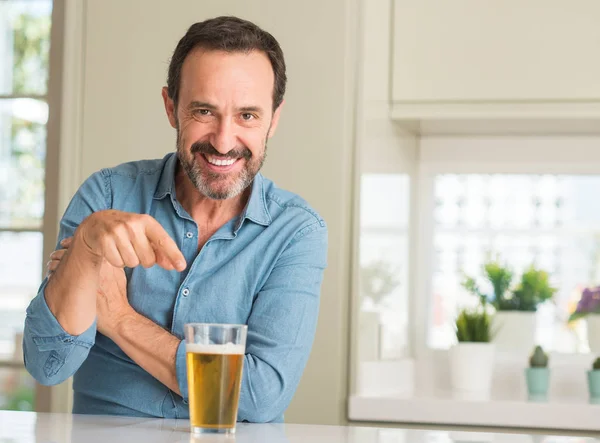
point(105, 243)
point(133, 262)
point(131, 229)
point(120, 228)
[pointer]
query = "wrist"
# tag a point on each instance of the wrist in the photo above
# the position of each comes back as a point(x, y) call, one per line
point(81, 246)
point(124, 324)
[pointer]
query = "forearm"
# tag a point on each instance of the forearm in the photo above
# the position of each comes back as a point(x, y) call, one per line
point(150, 346)
point(71, 292)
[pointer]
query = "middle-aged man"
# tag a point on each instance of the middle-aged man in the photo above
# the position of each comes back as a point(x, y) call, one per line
point(198, 236)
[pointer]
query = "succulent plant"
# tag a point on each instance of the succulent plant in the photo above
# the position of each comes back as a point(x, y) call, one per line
point(596, 365)
point(538, 359)
point(473, 325)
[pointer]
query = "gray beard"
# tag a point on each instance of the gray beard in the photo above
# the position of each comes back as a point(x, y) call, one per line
point(202, 183)
point(195, 175)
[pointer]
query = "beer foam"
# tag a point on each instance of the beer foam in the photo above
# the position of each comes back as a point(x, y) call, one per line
point(229, 349)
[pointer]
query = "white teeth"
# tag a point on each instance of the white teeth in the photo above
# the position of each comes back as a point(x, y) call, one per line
point(218, 162)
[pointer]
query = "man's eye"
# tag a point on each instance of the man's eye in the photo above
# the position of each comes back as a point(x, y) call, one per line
point(247, 116)
point(202, 112)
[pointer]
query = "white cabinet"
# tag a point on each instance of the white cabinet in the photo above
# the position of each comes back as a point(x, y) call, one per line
point(496, 58)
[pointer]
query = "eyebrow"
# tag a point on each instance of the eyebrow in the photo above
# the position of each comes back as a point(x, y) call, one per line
point(196, 104)
point(211, 107)
point(256, 109)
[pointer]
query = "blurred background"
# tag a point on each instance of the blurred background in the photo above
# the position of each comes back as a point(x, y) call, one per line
point(446, 144)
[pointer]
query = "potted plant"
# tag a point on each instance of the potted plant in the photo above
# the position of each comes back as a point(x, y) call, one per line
point(594, 381)
point(589, 306)
point(517, 310)
point(537, 375)
point(378, 280)
point(472, 358)
point(508, 320)
point(533, 290)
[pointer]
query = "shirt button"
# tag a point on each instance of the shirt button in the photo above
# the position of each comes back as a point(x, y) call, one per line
point(185, 292)
point(189, 235)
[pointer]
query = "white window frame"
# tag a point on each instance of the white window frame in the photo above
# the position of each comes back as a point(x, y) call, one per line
point(42, 397)
point(485, 155)
point(63, 155)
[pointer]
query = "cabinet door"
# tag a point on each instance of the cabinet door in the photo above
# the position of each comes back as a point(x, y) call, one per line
point(496, 50)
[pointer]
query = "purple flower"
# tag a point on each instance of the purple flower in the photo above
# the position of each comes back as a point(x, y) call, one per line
point(590, 300)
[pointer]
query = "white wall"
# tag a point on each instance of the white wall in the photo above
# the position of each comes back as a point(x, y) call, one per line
point(383, 147)
point(127, 45)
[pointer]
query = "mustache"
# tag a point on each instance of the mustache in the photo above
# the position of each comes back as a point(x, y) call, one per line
point(207, 148)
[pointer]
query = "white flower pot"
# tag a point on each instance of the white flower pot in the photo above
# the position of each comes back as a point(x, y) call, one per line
point(593, 332)
point(369, 340)
point(471, 370)
point(514, 331)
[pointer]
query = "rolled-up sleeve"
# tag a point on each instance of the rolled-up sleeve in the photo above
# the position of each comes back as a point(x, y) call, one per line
point(51, 355)
point(281, 329)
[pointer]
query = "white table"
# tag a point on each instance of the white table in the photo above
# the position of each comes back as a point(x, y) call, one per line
point(29, 427)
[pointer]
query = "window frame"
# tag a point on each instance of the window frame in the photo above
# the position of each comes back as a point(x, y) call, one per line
point(489, 155)
point(62, 167)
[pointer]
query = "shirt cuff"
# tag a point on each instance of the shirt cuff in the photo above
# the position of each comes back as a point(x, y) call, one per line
point(181, 371)
point(46, 331)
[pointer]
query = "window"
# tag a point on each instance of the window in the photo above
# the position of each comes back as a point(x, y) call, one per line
point(551, 221)
point(384, 240)
point(24, 60)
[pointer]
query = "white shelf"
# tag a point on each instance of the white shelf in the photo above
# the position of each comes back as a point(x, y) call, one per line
point(495, 413)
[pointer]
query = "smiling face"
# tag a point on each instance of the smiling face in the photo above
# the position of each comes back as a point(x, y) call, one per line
point(223, 118)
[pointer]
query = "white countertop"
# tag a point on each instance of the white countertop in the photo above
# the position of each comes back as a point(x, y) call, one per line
point(29, 427)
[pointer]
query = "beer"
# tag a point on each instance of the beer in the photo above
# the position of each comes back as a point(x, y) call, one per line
point(214, 380)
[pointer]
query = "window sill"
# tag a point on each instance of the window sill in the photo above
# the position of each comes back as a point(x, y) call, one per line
point(551, 415)
point(7, 363)
point(418, 391)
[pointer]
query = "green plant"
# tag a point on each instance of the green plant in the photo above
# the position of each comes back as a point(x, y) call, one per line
point(596, 364)
point(500, 277)
point(538, 359)
point(378, 279)
point(533, 289)
point(21, 400)
point(473, 325)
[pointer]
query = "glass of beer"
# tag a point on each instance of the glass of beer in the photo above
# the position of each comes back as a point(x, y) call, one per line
point(215, 359)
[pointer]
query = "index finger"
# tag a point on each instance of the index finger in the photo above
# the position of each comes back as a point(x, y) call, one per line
point(66, 242)
point(161, 241)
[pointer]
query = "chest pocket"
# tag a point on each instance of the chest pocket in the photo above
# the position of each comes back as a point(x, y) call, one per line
point(152, 293)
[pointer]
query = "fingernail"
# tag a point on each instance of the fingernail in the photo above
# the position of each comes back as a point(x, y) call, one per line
point(62, 242)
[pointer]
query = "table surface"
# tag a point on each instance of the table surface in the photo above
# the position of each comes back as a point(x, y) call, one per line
point(28, 427)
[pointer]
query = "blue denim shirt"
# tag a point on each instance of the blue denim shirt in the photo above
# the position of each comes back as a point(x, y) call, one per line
point(263, 268)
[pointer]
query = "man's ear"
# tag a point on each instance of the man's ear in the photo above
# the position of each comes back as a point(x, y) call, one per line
point(169, 107)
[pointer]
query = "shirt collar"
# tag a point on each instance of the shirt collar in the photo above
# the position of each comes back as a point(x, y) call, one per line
point(166, 183)
point(255, 210)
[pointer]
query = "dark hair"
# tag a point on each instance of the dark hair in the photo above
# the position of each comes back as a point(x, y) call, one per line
point(230, 34)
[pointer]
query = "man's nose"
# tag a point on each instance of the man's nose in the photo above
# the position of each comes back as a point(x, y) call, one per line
point(224, 137)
